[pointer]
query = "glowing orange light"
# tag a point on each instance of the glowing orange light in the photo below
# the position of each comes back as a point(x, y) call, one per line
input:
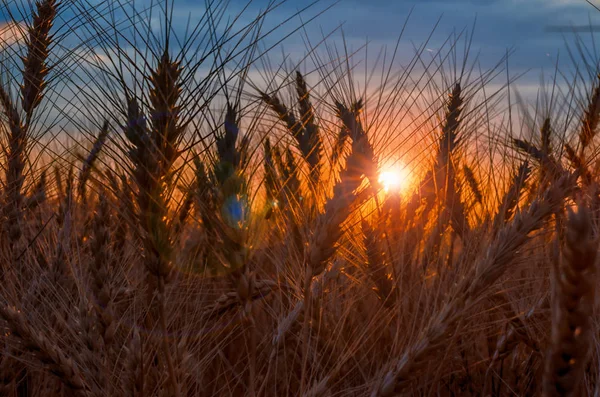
point(394, 179)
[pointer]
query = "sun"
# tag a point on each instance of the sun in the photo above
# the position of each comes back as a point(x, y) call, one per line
point(394, 179)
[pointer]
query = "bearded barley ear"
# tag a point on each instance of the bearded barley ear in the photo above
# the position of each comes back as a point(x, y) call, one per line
point(438, 180)
point(343, 135)
point(103, 272)
point(66, 200)
point(58, 182)
point(134, 364)
point(328, 228)
point(445, 173)
point(339, 144)
point(283, 113)
point(14, 174)
point(35, 73)
point(361, 161)
point(183, 213)
point(304, 130)
point(550, 169)
point(226, 143)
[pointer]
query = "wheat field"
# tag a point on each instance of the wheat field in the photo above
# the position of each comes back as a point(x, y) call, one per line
point(186, 214)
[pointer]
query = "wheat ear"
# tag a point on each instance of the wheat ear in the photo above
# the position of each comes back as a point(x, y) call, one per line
point(310, 141)
point(497, 259)
point(91, 158)
point(154, 150)
point(573, 306)
point(35, 72)
point(328, 229)
point(591, 117)
point(47, 352)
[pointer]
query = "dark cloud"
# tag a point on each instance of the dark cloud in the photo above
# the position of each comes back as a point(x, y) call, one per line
point(525, 26)
point(522, 25)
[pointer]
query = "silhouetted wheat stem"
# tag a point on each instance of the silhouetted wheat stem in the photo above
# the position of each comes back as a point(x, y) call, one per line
point(19, 135)
point(377, 268)
point(591, 117)
point(310, 143)
point(304, 130)
point(90, 160)
point(497, 259)
point(328, 228)
point(575, 280)
point(578, 164)
point(153, 152)
point(35, 72)
point(60, 364)
point(549, 166)
point(437, 181)
point(234, 222)
point(510, 200)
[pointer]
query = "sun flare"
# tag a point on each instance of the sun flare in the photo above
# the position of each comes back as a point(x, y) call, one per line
point(394, 179)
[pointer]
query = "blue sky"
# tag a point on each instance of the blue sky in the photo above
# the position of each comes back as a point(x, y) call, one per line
point(520, 25)
point(501, 25)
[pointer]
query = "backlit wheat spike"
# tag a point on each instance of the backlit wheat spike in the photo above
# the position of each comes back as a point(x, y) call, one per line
point(90, 160)
point(311, 143)
point(153, 152)
point(591, 117)
point(473, 184)
point(377, 269)
point(578, 164)
point(511, 197)
point(488, 269)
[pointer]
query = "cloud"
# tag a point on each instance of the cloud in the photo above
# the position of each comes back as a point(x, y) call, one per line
point(502, 25)
point(11, 33)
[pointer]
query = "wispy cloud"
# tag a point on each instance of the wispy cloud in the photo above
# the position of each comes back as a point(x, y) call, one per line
point(11, 33)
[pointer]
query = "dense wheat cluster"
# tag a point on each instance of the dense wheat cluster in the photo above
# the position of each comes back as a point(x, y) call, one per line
point(179, 217)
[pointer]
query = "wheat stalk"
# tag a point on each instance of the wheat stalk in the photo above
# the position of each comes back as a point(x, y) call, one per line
point(91, 158)
point(573, 306)
point(497, 259)
point(153, 154)
point(35, 72)
point(591, 117)
point(59, 363)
